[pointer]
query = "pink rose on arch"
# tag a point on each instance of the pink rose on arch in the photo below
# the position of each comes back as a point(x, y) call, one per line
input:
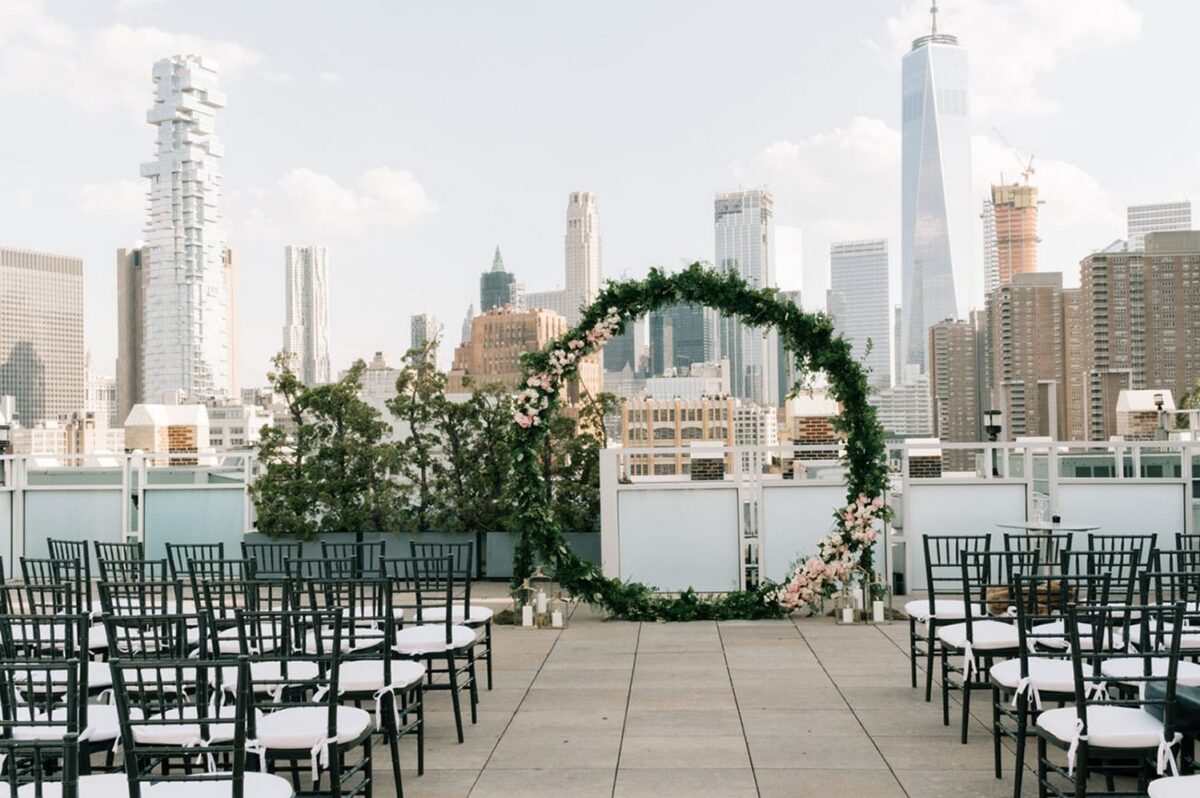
point(522, 419)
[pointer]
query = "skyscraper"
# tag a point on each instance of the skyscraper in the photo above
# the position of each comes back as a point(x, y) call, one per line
point(498, 288)
point(858, 290)
point(745, 244)
point(1140, 318)
point(621, 352)
point(1010, 237)
point(954, 386)
point(424, 328)
point(936, 274)
point(41, 333)
point(582, 249)
point(131, 316)
point(306, 311)
point(788, 373)
point(1159, 217)
point(466, 325)
point(1028, 361)
point(186, 329)
point(681, 335)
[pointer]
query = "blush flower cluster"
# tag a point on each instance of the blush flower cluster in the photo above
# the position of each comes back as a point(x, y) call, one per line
point(813, 579)
point(533, 400)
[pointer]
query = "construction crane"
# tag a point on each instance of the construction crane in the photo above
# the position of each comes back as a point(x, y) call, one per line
point(1026, 163)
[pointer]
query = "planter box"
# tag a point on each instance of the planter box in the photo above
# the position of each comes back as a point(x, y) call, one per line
point(500, 547)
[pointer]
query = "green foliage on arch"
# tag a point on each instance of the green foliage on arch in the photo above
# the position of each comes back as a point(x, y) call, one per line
point(809, 338)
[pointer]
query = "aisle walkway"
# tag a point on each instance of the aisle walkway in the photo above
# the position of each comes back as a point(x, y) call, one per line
point(734, 709)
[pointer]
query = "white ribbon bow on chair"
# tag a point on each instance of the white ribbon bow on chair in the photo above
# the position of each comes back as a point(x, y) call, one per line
point(1166, 755)
point(1076, 735)
point(378, 698)
point(968, 660)
point(320, 757)
point(1026, 685)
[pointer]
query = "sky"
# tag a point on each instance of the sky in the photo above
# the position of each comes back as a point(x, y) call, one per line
point(413, 138)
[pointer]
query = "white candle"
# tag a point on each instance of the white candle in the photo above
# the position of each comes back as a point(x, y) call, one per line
point(848, 615)
point(856, 599)
point(541, 602)
point(556, 619)
point(877, 611)
point(527, 615)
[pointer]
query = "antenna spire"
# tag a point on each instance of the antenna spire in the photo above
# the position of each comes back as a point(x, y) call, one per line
point(933, 12)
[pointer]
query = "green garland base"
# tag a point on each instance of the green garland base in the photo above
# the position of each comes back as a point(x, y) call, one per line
point(810, 338)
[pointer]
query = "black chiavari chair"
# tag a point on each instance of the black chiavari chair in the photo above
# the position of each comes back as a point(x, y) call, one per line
point(271, 558)
point(365, 556)
point(474, 615)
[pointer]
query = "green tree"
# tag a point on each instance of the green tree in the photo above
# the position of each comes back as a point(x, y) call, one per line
point(571, 463)
point(476, 461)
point(333, 471)
point(418, 404)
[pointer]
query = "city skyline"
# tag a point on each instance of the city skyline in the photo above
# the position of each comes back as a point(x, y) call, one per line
point(274, 194)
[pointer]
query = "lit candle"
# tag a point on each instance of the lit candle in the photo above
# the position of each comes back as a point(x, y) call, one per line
point(541, 602)
point(848, 615)
point(527, 615)
point(556, 619)
point(877, 611)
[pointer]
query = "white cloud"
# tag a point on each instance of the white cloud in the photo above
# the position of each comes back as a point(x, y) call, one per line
point(1012, 44)
point(124, 199)
point(329, 78)
point(845, 184)
point(840, 185)
point(308, 202)
point(96, 69)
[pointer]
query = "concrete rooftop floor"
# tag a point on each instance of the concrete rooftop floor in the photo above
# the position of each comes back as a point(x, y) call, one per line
point(746, 708)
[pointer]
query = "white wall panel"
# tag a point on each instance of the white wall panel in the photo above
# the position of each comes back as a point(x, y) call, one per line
point(794, 518)
point(674, 539)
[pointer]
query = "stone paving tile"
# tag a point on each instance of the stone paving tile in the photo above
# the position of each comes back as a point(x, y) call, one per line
point(782, 783)
point(656, 753)
point(728, 783)
point(733, 709)
point(495, 783)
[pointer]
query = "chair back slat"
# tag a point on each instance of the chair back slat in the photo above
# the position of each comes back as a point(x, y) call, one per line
point(270, 559)
point(365, 555)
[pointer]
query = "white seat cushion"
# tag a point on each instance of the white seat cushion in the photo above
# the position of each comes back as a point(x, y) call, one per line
point(103, 725)
point(186, 733)
point(1175, 787)
point(946, 609)
point(431, 639)
point(257, 785)
point(1046, 675)
point(99, 676)
point(987, 635)
point(268, 635)
point(1108, 727)
point(361, 676)
point(1054, 635)
point(269, 674)
point(479, 614)
point(114, 785)
point(301, 728)
point(364, 638)
point(101, 785)
point(1134, 667)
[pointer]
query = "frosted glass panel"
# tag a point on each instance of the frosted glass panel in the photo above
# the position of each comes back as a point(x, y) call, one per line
point(795, 517)
point(194, 516)
point(6, 531)
point(71, 515)
point(956, 509)
point(1134, 508)
point(674, 539)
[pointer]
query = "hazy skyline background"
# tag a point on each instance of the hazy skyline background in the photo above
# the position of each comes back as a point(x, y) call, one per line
point(412, 139)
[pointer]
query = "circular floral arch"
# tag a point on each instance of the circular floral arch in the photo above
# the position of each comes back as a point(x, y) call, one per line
point(810, 339)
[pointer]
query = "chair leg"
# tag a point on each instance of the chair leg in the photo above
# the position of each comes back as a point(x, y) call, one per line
point(452, 673)
point(420, 730)
point(393, 735)
point(930, 645)
point(966, 704)
point(996, 729)
point(1081, 771)
point(1022, 730)
point(945, 687)
point(474, 687)
point(487, 631)
point(1041, 767)
point(912, 650)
